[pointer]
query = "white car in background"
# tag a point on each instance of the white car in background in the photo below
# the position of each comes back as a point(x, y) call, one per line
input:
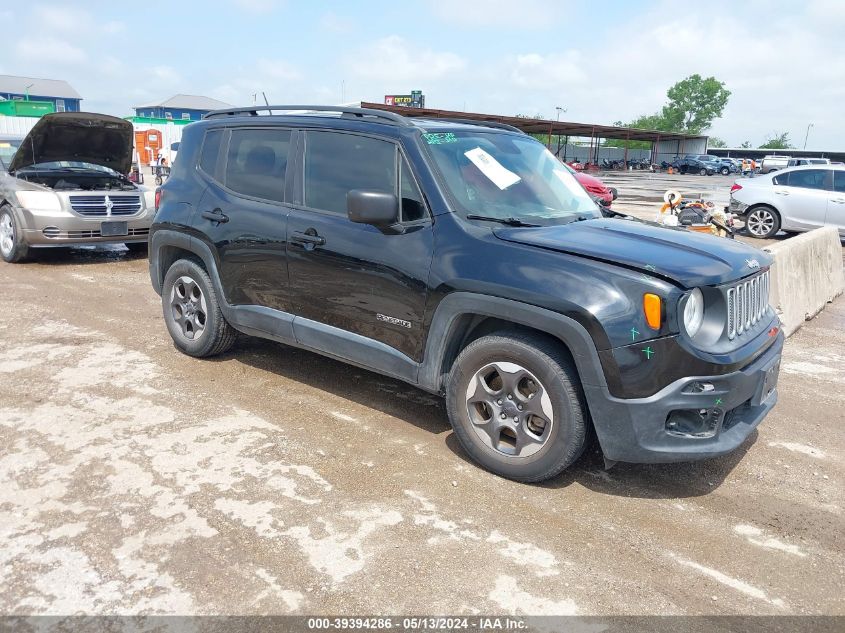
point(793, 200)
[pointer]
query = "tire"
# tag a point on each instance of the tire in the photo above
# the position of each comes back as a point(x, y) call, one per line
point(157, 180)
point(12, 248)
point(192, 311)
point(137, 248)
point(533, 375)
point(702, 172)
point(724, 171)
point(762, 222)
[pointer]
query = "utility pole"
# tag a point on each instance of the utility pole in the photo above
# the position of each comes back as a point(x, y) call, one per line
point(807, 135)
point(559, 110)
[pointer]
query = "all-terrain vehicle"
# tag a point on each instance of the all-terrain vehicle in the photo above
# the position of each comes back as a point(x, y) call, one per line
point(463, 258)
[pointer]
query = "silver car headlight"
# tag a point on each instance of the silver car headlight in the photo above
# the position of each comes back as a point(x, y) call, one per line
point(39, 200)
point(693, 312)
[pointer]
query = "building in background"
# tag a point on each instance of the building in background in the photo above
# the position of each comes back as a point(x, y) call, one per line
point(33, 97)
point(179, 108)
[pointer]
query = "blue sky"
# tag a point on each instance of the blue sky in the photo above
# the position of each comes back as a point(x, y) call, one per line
point(603, 61)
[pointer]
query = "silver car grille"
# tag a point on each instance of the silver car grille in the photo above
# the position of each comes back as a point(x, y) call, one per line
point(747, 304)
point(105, 206)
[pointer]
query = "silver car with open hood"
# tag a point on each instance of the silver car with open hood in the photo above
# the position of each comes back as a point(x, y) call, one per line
point(66, 184)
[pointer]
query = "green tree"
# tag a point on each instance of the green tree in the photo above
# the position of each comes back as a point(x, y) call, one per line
point(694, 103)
point(777, 141)
point(746, 145)
point(715, 141)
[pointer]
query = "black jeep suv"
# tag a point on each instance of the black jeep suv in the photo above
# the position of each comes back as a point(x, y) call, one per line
point(464, 258)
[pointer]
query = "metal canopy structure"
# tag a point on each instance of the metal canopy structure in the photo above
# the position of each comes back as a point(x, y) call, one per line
point(542, 126)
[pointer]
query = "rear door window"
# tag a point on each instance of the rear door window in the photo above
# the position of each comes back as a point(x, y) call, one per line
point(809, 179)
point(256, 163)
point(337, 163)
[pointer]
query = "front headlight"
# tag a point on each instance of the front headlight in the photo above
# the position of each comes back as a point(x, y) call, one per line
point(694, 312)
point(39, 200)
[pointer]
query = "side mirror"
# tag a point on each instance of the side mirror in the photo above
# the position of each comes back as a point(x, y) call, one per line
point(378, 208)
point(614, 193)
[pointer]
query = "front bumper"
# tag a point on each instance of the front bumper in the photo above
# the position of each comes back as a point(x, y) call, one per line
point(641, 430)
point(61, 228)
point(737, 208)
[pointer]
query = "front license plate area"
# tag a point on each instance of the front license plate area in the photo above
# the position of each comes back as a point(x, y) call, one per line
point(111, 229)
point(770, 381)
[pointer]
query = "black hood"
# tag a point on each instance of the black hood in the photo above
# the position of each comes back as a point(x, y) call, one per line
point(99, 139)
point(686, 257)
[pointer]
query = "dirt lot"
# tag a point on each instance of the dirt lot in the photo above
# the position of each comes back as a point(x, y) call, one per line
point(136, 479)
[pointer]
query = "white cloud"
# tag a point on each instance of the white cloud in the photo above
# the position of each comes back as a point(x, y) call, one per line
point(49, 50)
point(165, 75)
point(277, 70)
point(394, 59)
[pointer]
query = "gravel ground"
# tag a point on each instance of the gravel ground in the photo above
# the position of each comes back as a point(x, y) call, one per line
point(134, 479)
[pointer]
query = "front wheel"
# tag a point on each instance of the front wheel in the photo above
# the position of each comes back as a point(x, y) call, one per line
point(12, 247)
point(762, 222)
point(516, 405)
point(702, 172)
point(725, 171)
point(192, 311)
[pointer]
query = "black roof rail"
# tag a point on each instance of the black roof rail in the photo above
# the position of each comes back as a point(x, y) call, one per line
point(501, 126)
point(391, 117)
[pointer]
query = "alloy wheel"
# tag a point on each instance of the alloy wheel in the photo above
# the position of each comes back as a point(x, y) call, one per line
point(188, 305)
point(760, 222)
point(509, 408)
point(7, 234)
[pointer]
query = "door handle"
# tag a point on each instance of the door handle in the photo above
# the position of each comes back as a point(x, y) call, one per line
point(309, 238)
point(216, 216)
point(838, 200)
point(782, 193)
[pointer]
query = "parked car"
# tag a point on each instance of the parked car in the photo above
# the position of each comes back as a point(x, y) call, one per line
point(797, 162)
point(794, 199)
point(67, 184)
point(594, 186)
point(726, 166)
point(692, 164)
point(773, 163)
point(464, 259)
point(9, 144)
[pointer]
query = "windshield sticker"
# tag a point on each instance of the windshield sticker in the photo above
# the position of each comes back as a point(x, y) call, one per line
point(440, 138)
point(493, 169)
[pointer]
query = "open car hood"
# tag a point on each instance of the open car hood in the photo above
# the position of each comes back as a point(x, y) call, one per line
point(685, 257)
point(99, 139)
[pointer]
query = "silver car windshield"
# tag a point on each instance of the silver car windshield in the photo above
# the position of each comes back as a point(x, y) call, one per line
point(505, 176)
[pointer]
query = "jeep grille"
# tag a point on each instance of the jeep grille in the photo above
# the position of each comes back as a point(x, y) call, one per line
point(747, 303)
point(95, 206)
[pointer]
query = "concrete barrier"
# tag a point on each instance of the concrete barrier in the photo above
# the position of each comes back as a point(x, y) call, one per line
point(807, 273)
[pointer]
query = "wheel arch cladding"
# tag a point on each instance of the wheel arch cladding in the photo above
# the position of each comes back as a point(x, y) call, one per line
point(462, 317)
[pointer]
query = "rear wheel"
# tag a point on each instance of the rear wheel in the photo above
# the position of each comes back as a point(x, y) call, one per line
point(192, 311)
point(515, 403)
point(762, 222)
point(12, 247)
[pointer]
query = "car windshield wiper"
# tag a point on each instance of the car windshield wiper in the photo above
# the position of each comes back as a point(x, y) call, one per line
point(507, 221)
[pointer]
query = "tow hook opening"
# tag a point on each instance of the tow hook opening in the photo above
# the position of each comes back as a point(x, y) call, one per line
point(694, 423)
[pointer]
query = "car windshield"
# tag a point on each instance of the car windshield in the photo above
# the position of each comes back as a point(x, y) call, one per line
point(505, 176)
point(8, 147)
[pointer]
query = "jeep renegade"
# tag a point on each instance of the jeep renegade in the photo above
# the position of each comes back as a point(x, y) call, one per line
point(462, 257)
